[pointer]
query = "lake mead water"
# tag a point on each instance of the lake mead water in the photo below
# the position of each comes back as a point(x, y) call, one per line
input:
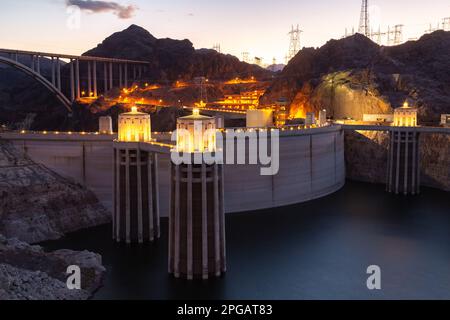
point(316, 250)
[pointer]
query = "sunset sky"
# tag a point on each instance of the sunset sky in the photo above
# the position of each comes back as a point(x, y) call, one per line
point(259, 27)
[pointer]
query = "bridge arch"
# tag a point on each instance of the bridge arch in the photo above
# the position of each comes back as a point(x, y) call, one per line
point(59, 95)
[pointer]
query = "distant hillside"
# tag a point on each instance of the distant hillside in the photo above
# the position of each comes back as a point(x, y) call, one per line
point(353, 76)
point(276, 67)
point(173, 59)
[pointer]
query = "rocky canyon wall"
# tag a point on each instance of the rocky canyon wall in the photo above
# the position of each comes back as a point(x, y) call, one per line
point(38, 204)
point(366, 157)
point(29, 273)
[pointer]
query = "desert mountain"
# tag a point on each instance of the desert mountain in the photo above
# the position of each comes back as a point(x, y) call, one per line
point(353, 76)
point(173, 59)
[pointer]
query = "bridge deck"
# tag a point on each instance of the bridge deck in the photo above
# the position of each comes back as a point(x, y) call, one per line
point(68, 56)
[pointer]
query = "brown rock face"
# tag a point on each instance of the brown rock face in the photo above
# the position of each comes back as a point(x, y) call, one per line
point(435, 161)
point(353, 76)
point(39, 205)
point(366, 156)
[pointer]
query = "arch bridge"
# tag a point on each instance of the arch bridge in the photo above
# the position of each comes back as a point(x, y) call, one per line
point(100, 74)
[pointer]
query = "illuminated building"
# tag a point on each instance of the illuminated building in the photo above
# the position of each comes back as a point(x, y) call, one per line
point(280, 112)
point(105, 125)
point(445, 120)
point(405, 116)
point(196, 138)
point(310, 119)
point(134, 126)
point(197, 219)
point(403, 156)
point(244, 101)
point(322, 118)
point(259, 118)
point(136, 193)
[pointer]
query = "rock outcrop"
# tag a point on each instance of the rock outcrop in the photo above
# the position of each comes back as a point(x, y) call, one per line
point(38, 205)
point(353, 76)
point(366, 158)
point(173, 59)
point(29, 273)
point(20, 284)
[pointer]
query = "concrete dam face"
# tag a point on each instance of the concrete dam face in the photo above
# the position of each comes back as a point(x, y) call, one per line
point(311, 165)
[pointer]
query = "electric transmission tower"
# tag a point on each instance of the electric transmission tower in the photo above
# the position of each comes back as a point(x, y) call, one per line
point(364, 23)
point(431, 29)
point(294, 46)
point(377, 36)
point(245, 56)
point(217, 47)
point(446, 24)
point(395, 35)
point(398, 34)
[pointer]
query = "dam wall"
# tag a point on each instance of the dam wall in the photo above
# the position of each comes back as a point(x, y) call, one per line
point(311, 165)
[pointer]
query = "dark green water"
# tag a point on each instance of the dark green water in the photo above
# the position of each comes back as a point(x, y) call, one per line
point(316, 250)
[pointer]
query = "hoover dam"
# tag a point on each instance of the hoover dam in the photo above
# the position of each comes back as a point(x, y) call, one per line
point(311, 165)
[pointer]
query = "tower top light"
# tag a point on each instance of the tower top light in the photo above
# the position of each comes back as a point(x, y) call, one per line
point(196, 112)
point(196, 133)
point(134, 126)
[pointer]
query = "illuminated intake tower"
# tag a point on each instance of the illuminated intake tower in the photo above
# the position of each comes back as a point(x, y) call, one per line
point(403, 156)
point(197, 220)
point(136, 203)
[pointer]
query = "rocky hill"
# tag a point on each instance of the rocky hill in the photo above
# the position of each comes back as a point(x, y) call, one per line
point(29, 273)
point(173, 59)
point(38, 205)
point(353, 76)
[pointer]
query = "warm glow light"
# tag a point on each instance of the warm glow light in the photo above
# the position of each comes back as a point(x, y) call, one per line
point(241, 81)
point(196, 133)
point(134, 126)
point(405, 116)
